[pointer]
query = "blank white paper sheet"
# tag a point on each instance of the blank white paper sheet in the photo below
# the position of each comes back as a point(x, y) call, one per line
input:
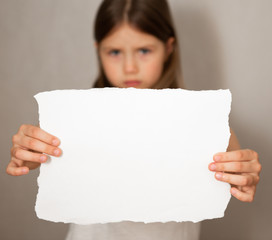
point(131, 154)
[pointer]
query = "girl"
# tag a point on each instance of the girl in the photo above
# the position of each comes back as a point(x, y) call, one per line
point(137, 47)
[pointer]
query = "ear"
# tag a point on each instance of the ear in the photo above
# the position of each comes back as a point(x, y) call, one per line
point(96, 45)
point(170, 46)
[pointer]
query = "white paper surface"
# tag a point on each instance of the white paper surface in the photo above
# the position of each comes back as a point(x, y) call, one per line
point(131, 154)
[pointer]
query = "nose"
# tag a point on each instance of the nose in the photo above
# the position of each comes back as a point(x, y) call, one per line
point(130, 64)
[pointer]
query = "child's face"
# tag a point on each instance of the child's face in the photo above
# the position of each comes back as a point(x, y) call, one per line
point(131, 58)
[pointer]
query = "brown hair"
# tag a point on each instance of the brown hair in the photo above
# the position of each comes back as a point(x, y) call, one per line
point(149, 16)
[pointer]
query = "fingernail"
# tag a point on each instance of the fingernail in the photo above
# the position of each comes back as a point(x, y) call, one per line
point(217, 158)
point(233, 191)
point(218, 175)
point(24, 170)
point(43, 158)
point(55, 142)
point(212, 167)
point(56, 152)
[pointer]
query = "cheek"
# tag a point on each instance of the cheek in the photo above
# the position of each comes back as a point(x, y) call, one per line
point(110, 69)
point(153, 70)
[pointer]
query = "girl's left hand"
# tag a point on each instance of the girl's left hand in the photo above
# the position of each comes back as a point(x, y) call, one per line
point(241, 169)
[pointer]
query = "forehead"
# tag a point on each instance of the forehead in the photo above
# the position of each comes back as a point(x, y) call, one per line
point(126, 35)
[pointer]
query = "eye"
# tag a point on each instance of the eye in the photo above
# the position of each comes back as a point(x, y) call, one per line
point(144, 51)
point(114, 52)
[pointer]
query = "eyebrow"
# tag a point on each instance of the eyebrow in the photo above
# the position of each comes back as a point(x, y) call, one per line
point(115, 47)
point(108, 48)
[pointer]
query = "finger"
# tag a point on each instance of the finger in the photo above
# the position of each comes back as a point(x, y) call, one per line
point(38, 146)
point(237, 167)
point(238, 180)
point(38, 133)
point(239, 155)
point(242, 196)
point(31, 165)
point(25, 155)
point(14, 170)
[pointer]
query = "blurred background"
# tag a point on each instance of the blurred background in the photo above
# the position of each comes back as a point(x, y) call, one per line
point(48, 45)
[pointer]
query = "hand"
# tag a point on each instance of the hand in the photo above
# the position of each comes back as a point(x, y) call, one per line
point(30, 145)
point(241, 169)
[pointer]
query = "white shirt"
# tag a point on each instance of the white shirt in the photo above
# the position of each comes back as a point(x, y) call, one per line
point(135, 231)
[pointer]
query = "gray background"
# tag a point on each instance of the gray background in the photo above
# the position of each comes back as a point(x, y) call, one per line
point(46, 45)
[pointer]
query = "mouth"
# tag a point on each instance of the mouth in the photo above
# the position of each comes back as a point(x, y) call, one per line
point(132, 83)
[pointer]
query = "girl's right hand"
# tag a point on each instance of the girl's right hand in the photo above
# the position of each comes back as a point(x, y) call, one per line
point(30, 145)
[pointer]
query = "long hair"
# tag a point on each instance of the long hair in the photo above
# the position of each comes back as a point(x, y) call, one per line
point(149, 16)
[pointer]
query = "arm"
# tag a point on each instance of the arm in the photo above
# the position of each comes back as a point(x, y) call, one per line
point(240, 168)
